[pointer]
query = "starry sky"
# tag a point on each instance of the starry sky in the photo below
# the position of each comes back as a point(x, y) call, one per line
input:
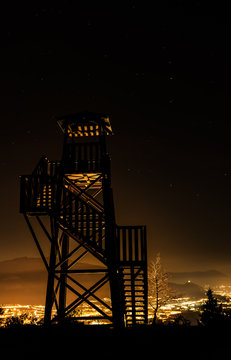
point(163, 74)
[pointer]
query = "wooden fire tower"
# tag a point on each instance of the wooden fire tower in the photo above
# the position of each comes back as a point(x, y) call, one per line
point(69, 203)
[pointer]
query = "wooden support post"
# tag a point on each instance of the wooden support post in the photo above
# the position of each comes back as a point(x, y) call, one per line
point(50, 295)
point(63, 276)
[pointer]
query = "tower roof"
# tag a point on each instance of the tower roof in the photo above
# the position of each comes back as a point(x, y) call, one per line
point(85, 124)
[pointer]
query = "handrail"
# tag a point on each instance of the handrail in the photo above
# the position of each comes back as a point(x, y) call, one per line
point(41, 166)
point(46, 167)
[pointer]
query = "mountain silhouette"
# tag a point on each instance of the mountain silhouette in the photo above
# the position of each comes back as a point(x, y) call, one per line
point(189, 289)
point(199, 277)
point(23, 280)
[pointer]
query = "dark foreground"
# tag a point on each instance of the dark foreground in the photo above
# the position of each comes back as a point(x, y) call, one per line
point(75, 342)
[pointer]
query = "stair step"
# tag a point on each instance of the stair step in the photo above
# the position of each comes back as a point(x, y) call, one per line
point(134, 287)
point(137, 303)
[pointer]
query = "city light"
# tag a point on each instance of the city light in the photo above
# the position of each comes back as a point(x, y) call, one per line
point(170, 311)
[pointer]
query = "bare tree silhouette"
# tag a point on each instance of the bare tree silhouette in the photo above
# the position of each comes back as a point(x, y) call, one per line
point(159, 291)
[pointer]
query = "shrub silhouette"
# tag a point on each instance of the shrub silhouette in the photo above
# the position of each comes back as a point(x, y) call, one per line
point(23, 319)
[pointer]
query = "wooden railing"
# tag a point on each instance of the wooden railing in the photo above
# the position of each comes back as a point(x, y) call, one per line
point(38, 193)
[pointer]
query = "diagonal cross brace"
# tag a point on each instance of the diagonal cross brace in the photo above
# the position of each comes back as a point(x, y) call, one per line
point(90, 292)
point(85, 298)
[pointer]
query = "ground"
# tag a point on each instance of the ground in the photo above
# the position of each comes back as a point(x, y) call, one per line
point(56, 342)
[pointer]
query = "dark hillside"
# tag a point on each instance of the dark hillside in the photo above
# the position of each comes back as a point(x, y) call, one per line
point(144, 342)
point(189, 289)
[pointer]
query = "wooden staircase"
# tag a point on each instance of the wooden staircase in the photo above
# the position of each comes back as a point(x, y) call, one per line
point(133, 270)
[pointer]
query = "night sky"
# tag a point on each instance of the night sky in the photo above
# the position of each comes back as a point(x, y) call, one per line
point(163, 74)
